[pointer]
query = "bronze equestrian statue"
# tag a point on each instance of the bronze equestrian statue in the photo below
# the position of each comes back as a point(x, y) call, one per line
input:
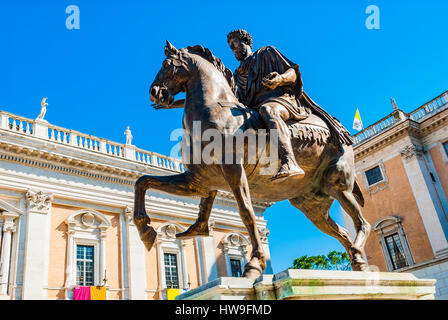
point(317, 144)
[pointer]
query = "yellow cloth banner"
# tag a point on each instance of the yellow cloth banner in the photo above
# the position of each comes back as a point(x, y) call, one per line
point(97, 293)
point(171, 294)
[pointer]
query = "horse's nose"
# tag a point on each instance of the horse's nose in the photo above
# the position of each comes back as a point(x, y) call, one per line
point(153, 93)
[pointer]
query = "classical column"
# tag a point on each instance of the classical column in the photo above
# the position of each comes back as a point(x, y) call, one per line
point(161, 265)
point(264, 233)
point(70, 271)
point(5, 258)
point(136, 259)
point(208, 255)
point(184, 265)
point(428, 206)
point(37, 245)
point(102, 267)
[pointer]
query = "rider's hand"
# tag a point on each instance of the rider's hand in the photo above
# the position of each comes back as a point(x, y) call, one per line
point(273, 80)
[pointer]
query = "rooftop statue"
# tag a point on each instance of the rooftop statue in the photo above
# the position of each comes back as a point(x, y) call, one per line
point(314, 164)
point(128, 135)
point(43, 108)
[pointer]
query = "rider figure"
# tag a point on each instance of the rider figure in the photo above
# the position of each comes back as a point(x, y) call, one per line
point(269, 82)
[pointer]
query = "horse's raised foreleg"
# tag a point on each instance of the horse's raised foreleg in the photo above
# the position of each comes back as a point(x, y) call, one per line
point(200, 227)
point(179, 184)
point(316, 209)
point(237, 180)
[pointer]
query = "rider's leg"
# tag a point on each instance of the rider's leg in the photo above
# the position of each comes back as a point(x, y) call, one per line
point(274, 116)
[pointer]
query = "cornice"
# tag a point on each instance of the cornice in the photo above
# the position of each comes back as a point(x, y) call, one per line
point(405, 128)
point(79, 166)
point(44, 160)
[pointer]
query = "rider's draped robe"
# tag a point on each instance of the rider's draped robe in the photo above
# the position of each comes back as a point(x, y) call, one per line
point(251, 92)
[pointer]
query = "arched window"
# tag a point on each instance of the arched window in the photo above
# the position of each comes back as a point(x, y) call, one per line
point(235, 248)
point(393, 242)
point(86, 249)
point(171, 258)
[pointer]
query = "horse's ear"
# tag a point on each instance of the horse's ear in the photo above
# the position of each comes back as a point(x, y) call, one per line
point(170, 49)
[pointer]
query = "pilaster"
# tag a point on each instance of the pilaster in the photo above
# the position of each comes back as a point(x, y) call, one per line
point(37, 246)
point(136, 261)
point(428, 206)
point(208, 258)
point(5, 257)
point(264, 233)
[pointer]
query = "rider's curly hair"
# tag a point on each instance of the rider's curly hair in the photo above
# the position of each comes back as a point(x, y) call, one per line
point(241, 34)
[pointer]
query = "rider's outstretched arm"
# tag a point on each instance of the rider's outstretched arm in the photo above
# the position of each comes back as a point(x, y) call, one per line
point(292, 76)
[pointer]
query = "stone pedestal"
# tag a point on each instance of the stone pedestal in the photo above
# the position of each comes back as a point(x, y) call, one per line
point(40, 128)
point(294, 284)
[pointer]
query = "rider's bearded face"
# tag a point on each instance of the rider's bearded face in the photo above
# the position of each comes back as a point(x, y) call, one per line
point(239, 48)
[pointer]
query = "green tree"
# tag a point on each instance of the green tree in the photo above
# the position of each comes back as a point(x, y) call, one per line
point(334, 260)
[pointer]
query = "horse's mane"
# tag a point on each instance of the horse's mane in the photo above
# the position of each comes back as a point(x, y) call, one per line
point(208, 55)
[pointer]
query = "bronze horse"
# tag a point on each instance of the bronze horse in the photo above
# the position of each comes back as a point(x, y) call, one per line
point(329, 166)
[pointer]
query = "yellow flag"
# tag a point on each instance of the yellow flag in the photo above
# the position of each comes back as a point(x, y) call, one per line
point(97, 293)
point(172, 293)
point(357, 123)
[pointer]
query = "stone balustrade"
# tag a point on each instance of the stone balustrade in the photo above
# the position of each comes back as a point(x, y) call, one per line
point(434, 106)
point(16, 123)
point(374, 129)
point(397, 116)
point(44, 130)
point(158, 160)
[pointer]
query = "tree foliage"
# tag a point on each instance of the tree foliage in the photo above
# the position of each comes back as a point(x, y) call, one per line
point(334, 260)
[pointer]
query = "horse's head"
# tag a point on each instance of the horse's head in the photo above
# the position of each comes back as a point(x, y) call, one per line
point(171, 78)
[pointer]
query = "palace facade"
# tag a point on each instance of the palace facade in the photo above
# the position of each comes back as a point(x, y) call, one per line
point(402, 167)
point(66, 219)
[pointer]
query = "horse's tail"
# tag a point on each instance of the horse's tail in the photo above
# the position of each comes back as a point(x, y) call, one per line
point(358, 194)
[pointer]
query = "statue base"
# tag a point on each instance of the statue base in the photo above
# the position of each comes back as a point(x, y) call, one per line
point(295, 284)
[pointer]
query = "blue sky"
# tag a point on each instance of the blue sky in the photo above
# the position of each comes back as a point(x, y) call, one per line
point(97, 78)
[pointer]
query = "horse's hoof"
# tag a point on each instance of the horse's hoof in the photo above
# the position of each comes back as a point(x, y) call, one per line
point(193, 231)
point(148, 236)
point(141, 218)
point(252, 272)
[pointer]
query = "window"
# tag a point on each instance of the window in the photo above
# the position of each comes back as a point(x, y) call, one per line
point(235, 248)
point(171, 275)
point(84, 265)
point(374, 175)
point(86, 250)
point(396, 251)
point(445, 146)
point(172, 259)
point(235, 266)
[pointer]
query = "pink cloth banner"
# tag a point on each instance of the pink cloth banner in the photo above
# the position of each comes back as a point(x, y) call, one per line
point(81, 293)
